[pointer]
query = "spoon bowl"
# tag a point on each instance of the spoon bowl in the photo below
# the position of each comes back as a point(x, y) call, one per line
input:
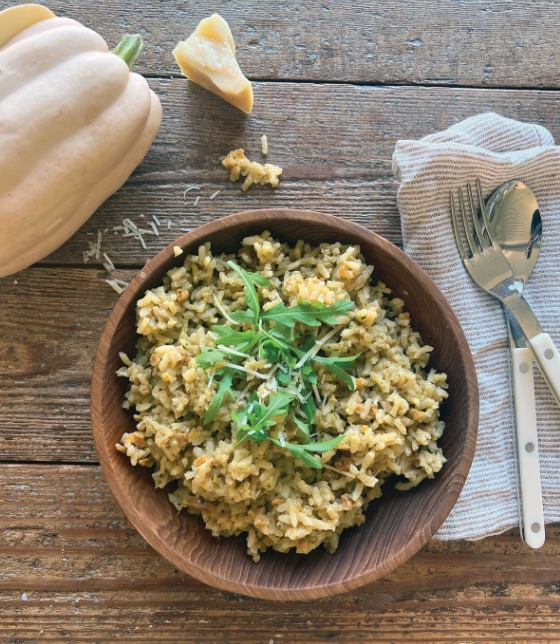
point(515, 223)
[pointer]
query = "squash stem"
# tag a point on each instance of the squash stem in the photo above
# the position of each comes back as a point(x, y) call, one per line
point(129, 49)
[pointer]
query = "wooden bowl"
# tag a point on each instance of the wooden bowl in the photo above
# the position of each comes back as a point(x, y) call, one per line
point(397, 525)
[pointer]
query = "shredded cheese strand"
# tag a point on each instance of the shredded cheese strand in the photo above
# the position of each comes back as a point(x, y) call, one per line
point(317, 346)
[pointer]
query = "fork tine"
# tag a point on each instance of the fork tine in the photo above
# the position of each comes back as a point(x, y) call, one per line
point(458, 239)
point(483, 211)
point(478, 230)
point(473, 247)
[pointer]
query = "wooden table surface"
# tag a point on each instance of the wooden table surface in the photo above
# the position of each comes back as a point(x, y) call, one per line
point(336, 85)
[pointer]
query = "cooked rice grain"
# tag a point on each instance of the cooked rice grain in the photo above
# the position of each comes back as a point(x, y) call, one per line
point(391, 421)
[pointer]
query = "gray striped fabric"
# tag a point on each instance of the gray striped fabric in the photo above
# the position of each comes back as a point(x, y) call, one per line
point(494, 149)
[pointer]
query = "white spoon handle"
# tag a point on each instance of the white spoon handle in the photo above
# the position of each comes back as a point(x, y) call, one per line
point(527, 448)
point(548, 359)
point(545, 353)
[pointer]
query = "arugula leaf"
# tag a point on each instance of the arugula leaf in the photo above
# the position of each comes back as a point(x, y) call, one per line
point(297, 451)
point(209, 356)
point(283, 333)
point(224, 389)
point(256, 417)
point(272, 352)
point(250, 293)
point(337, 365)
point(309, 373)
point(310, 314)
point(242, 420)
point(324, 446)
point(241, 316)
point(308, 408)
point(283, 377)
point(259, 279)
point(304, 427)
point(302, 451)
point(250, 279)
point(231, 338)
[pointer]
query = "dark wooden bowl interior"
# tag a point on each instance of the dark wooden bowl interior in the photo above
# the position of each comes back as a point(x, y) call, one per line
point(397, 525)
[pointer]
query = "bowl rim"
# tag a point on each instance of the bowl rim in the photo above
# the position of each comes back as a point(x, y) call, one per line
point(224, 582)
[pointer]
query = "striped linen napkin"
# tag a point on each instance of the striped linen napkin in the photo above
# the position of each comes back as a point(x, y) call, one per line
point(494, 149)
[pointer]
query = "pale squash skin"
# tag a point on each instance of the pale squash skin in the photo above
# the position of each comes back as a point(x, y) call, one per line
point(74, 123)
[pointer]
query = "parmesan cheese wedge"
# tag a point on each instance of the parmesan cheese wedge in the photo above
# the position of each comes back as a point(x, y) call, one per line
point(207, 58)
point(16, 19)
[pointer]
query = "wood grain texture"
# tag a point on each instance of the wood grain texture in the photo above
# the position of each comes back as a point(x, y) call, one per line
point(47, 345)
point(88, 576)
point(333, 162)
point(397, 525)
point(451, 42)
point(62, 536)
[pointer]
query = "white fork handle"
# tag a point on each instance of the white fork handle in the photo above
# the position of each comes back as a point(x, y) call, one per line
point(528, 447)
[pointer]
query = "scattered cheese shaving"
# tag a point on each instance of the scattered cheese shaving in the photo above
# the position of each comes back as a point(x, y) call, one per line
point(233, 352)
point(264, 144)
point(196, 201)
point(177, 251)
point(189, 189)
point(215, 194)
point(253, 373)
point(330, 467)
point(98, 249)
point(115, 286)
point(317, 346)
point(316, 392)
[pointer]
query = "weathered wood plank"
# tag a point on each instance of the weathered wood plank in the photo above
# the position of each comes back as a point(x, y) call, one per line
point(334, 142)
point(451, 42)
point(75, 569)
point(333, 164)
point(47, 345)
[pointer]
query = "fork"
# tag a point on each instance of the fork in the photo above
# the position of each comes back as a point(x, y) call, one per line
point(488, 267)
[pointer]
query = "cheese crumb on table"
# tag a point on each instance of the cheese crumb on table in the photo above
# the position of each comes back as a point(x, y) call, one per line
point(264, 144)
point(240, 166)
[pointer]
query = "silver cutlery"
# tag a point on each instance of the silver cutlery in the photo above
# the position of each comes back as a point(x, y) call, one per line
point(515, 223)
point(488, 267)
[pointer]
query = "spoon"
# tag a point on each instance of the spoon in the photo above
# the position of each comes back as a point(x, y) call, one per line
point(515, 222)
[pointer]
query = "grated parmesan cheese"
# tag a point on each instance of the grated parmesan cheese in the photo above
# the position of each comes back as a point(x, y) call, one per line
point(113, 284)
point(264, 144)
point(98, 249)
point(253, 373)
point(330, 467)
point(215, 194)
point(177, 251)
point(316, 392)
point(108, 262)
point(189, 189)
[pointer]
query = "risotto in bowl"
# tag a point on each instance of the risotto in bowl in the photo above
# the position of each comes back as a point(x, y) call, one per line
point(279, 394)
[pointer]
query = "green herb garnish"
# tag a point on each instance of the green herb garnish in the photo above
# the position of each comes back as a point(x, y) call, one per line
point(310, 314)
point(272, 337)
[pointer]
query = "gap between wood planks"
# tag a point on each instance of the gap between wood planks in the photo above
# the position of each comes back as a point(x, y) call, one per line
point(443, 84)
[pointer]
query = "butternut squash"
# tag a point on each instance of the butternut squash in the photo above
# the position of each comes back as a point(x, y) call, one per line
point(207, 58)
point(74, 123)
